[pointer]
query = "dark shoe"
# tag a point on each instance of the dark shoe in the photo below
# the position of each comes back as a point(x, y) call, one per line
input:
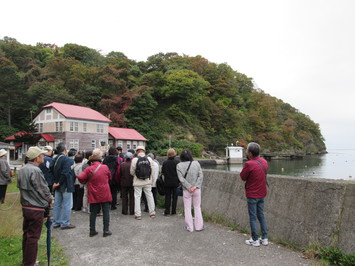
point(166, 214)
point(93, 233)
point(107, 233)
point(70, 226)
point(124, 213)
point(113, 208)
point(56, 226)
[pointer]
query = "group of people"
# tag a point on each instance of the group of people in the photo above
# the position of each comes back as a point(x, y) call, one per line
point(95, 180)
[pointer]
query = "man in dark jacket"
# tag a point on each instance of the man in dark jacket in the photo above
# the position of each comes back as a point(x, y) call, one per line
point(126, 181)
point(35, 198)
point(46, 166)
point(254, 174)
point(171, 182)
point(113, 163)
point(63, 187)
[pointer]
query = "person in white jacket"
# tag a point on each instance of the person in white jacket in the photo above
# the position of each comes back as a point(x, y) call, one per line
point(142, 185)
point(156, 175)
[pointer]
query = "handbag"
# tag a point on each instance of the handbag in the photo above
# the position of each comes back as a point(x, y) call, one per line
point(179, 189)
point(160, 186)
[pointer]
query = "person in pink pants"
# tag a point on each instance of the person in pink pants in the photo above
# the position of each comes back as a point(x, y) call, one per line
point(190, 176)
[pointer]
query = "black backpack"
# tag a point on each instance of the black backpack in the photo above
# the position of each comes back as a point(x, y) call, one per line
point(143, 169)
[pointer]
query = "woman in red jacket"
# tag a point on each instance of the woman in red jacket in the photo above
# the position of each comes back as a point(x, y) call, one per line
point(97, 177)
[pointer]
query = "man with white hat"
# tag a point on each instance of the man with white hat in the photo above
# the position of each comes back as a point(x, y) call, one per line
point(142, 170)
point(5, 176)
point(35, 198)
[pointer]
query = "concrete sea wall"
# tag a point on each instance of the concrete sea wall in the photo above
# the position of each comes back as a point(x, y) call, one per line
point(298, 211)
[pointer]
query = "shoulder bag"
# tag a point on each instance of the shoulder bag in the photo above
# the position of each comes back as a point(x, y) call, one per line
point(179, 189)
point(93, 173)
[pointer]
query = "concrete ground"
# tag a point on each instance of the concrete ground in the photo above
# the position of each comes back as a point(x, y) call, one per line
point(162, 241)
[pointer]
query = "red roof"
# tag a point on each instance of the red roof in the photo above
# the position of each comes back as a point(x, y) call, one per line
point(47, 137)
point(125, 133)
point(77, 112)
point(18, 134)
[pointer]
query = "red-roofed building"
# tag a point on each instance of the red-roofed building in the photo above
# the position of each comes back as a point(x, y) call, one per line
point(21, 147)
point(127, 138)
point(79, 127)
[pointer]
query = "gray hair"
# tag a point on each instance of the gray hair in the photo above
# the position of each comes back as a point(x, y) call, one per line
point(254, 148)
point(97, 152)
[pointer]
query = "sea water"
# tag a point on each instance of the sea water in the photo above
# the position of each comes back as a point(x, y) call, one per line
point(336, 164)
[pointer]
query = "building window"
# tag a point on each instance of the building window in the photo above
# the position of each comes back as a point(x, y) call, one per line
point(40, 127)
point(128, 144)
point(99, 128)
point(48, 113)
point(93, 144)
point(120, 143)
point(74, 143)
point(103, 142)
point(141, 143)
point(74, 126)
point(110, 142)
point(134, 145)
point(58, 126)
point(85, 127)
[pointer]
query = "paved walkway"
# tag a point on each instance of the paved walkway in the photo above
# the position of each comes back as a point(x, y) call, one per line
point(162, 241)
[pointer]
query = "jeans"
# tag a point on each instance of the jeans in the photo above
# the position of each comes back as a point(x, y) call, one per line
point(137, 199)
point(94, 210)
point(256, 211)
point(63, 202)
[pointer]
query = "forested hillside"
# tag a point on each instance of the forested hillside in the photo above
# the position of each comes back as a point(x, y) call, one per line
point(186, 99)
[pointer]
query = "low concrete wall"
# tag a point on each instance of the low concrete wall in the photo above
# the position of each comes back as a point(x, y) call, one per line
point(297, 210)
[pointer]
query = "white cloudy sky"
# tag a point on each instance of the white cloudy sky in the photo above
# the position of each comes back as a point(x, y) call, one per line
point(301, 51)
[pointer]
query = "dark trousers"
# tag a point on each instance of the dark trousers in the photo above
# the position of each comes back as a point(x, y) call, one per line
point(94, 210)
point(78, 198)
point(170, 200)
point(114, 190)
point(2, 193)
point(155, 193)
point(32, 227)
point(127, 199)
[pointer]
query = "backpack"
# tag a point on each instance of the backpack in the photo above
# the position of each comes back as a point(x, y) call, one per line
point(143, 169)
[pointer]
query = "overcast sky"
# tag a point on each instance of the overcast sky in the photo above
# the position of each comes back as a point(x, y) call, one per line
point(300, 51)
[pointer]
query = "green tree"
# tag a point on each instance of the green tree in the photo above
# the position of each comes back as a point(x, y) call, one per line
point(11, 89)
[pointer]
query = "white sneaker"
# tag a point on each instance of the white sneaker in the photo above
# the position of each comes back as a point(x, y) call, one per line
point(253, 243)
point(264, 241)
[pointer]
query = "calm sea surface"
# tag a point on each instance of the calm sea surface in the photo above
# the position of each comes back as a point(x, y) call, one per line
point(336, 164)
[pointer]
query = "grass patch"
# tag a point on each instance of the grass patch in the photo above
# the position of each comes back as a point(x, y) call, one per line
point(11, 236)
point(329, 255)
point(12, 187)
